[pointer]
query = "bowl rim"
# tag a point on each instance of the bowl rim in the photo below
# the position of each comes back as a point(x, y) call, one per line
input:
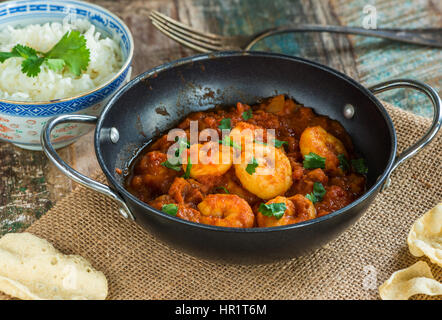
point(122, 69)
point(226, 54)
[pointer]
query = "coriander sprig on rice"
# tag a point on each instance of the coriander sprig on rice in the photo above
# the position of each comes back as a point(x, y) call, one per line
point(70, 52)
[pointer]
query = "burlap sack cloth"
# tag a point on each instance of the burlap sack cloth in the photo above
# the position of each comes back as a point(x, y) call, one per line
point(138, 266)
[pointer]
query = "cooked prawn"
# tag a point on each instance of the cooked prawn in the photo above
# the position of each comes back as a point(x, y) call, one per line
point(272, 173)
point(209, 158)
point(226, 210)
point(317, 140)
point(233, 186)
point(299, 209)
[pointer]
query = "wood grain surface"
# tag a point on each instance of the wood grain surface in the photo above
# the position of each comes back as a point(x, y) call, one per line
point(30, 185)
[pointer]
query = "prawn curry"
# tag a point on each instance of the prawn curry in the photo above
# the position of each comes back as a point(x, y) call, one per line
point(271, 164)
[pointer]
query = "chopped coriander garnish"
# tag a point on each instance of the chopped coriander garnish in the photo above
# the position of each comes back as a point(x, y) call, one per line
point(168, 164)
point(188, 167)
point(72, 49)
point(225, 124)
point(273, 210)
point(183, 141)
point(260, 142)
point(343, 163)
point(223, 188)
point(276, 142)
point(279, 143)
point(251, 167)
point(319, 190)
point(313, 161)
point(311, 197)
point(246, 115)
point(170, 208)
point(227, 141)
point(317, 194)
point(176, 164)
point(359, 166)
point(71, 52)
point(183, 144)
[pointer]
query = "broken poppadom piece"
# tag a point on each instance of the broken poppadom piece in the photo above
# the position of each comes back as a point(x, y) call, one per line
point(32, 269)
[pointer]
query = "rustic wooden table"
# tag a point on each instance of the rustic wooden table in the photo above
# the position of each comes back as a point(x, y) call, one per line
point(30, 185)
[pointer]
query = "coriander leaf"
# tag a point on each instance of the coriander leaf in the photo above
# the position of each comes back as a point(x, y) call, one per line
point(343, 163)
point(24, 51)
point(188, 167)
point(31, 63)
point(273, 210)
point(168, 164)
point(234, 145)
point(311, 197)
point(31, 66)
point(319, 190)
point(279, 143)
point(225, 124)
point(251, 167)
point(260, 142)
point(223, 188)
point(7, 55)
point(170, 208)
point(313, 161)
point(72, 49)
point(183, 144)
point(227, 141)
point(359, 165)
point(55, 64)
point(317, 194)
point(175, 164)
point(246, 115)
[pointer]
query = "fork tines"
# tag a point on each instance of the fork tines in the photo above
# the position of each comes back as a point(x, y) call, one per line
point(187, 36)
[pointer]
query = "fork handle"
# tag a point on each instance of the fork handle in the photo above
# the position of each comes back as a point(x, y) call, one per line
point(428, 37)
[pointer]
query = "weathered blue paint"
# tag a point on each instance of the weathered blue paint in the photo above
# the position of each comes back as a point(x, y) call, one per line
point(376, 60)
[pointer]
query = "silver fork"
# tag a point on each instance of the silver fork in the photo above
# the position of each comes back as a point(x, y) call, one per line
point(206, 41)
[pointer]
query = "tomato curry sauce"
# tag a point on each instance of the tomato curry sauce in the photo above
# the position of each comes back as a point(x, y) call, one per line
point(315, 168)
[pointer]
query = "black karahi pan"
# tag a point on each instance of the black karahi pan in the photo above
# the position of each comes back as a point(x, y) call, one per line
point(158, 99)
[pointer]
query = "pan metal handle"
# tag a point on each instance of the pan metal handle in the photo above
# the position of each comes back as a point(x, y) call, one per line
point(435, 125)
point(68, 170)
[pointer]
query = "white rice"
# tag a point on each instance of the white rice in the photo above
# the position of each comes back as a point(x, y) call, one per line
point(105, 61)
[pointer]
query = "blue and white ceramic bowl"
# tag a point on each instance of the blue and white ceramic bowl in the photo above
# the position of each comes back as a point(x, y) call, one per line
point(21, 122)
